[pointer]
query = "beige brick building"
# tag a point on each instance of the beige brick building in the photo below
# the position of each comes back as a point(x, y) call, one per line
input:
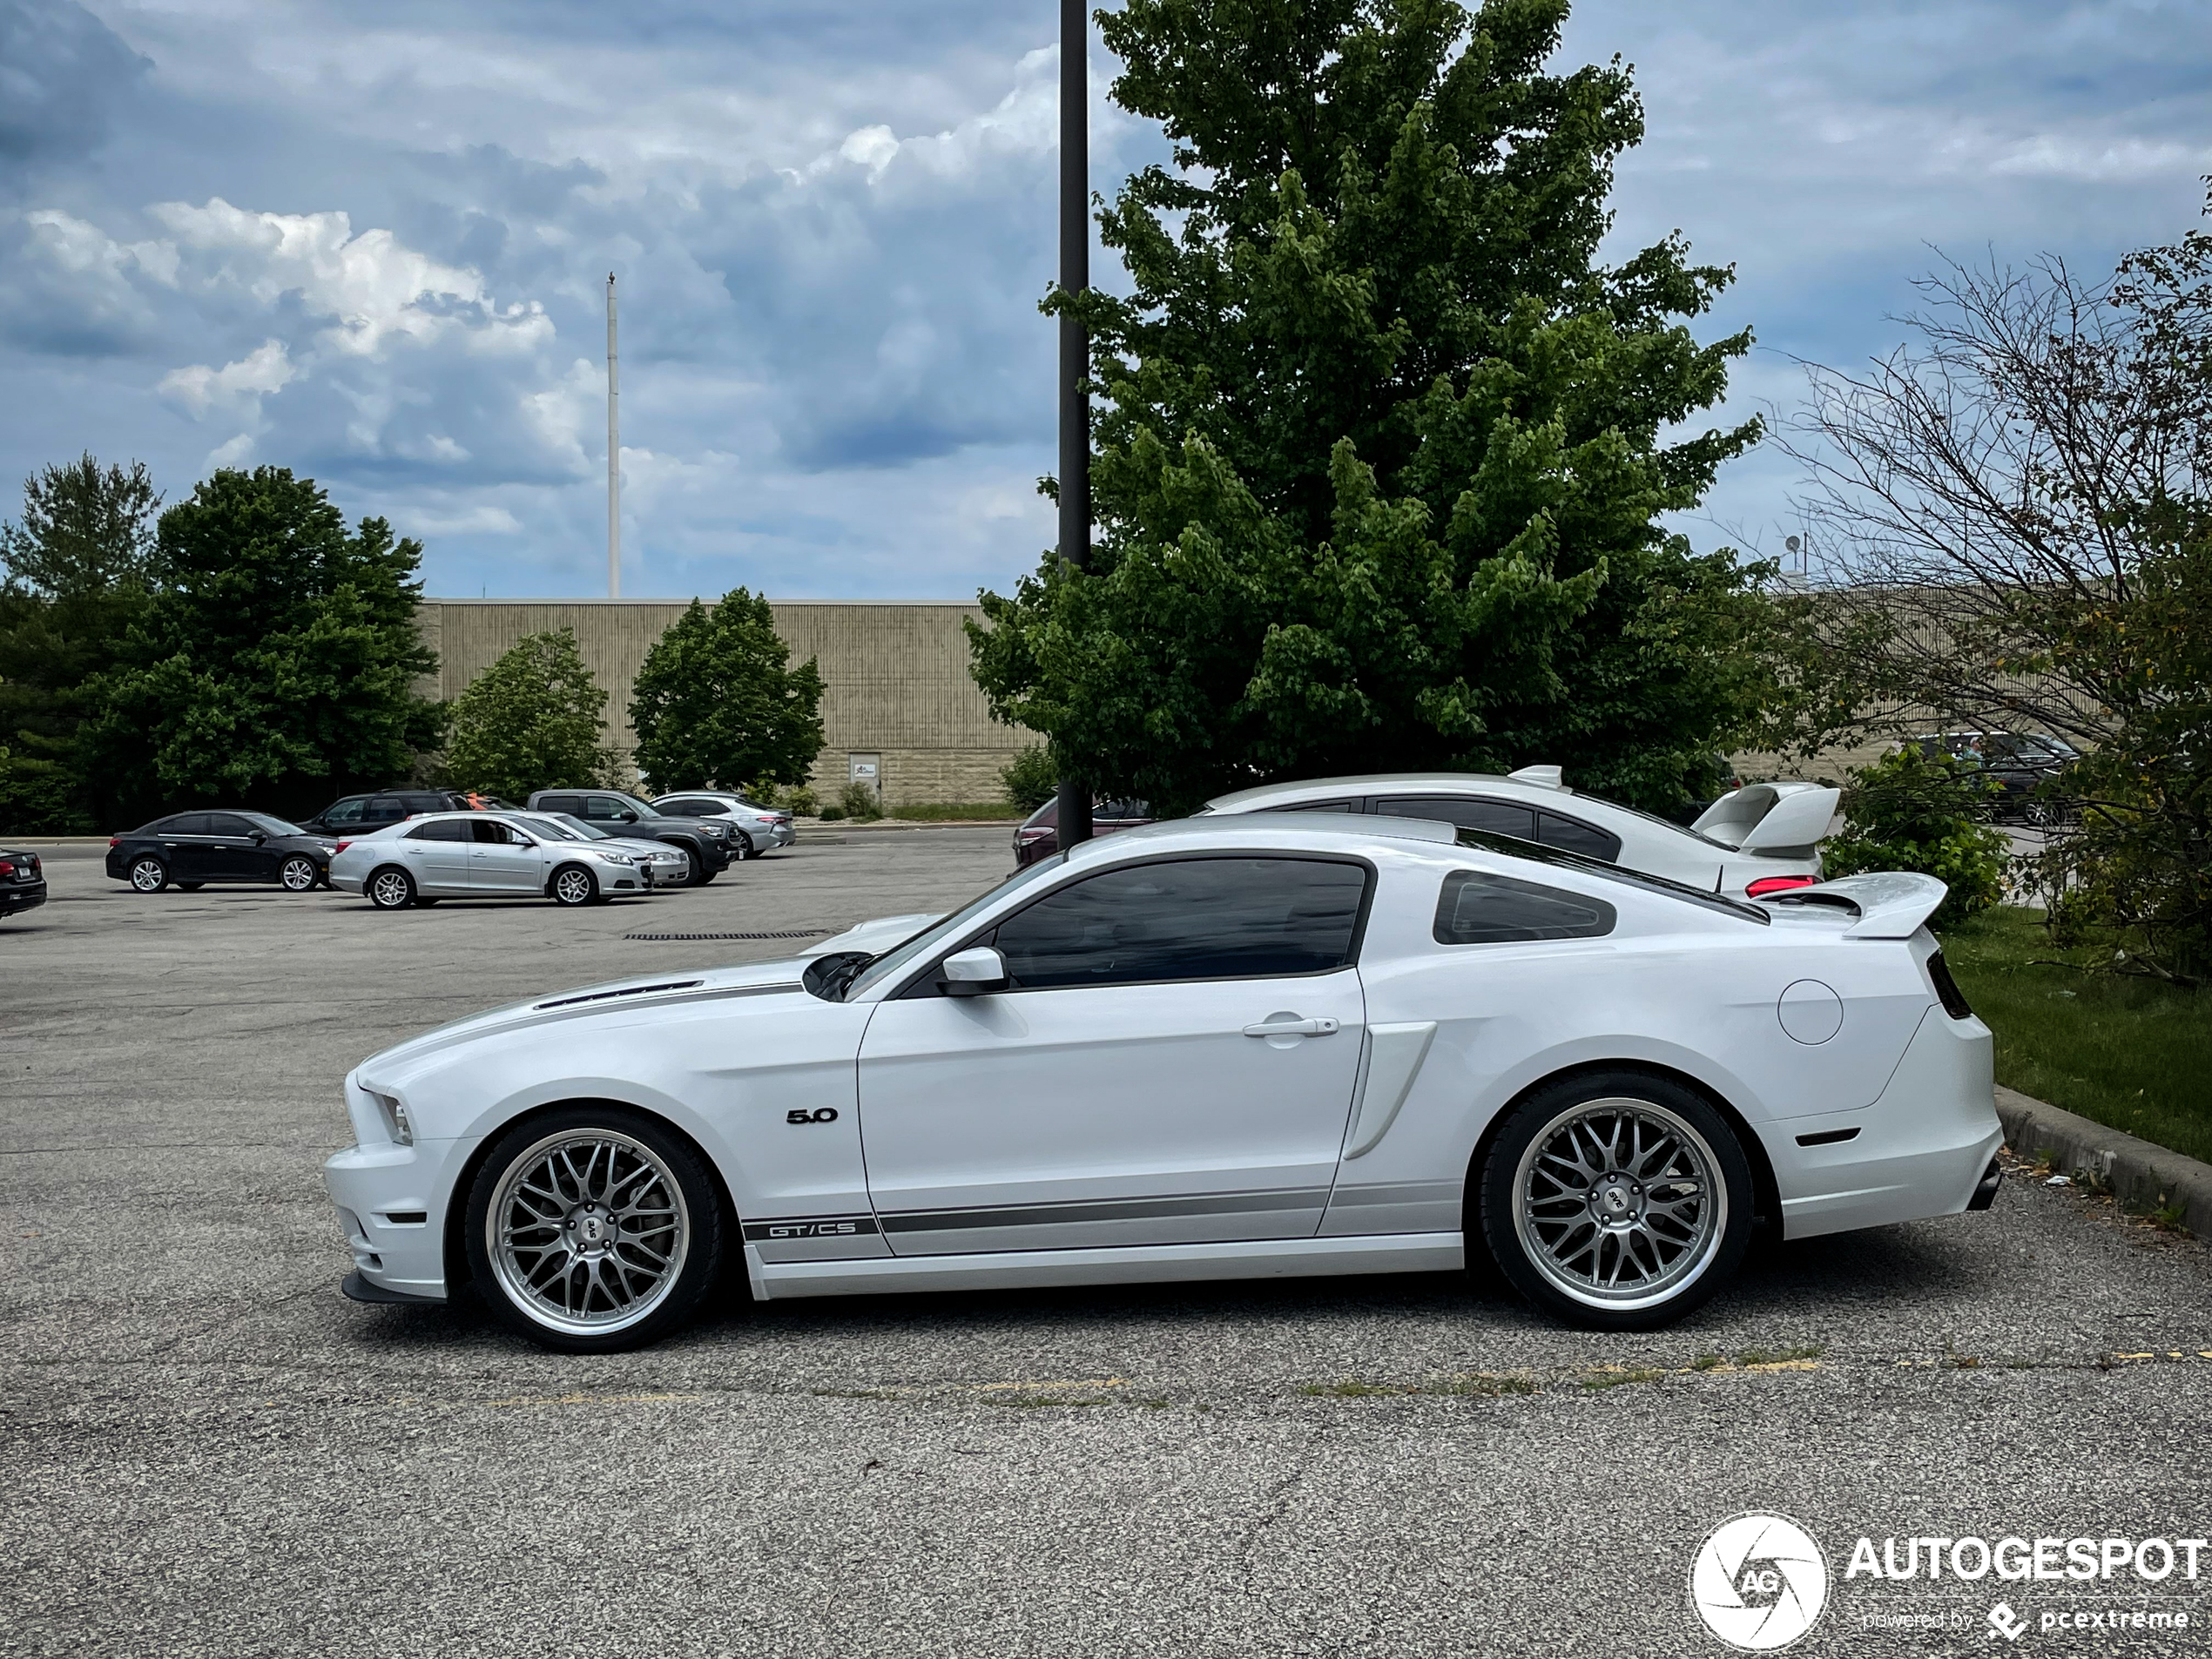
point(898, 698)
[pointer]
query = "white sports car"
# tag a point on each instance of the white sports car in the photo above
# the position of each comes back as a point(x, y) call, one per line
point(1225, 1047)
point(1755, 841)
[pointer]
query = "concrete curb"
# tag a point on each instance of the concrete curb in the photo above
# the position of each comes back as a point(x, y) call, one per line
point(2142, 1176)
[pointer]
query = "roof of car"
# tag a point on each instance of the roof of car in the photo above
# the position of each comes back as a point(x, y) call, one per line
point(1381, 783)
point(1330, 826)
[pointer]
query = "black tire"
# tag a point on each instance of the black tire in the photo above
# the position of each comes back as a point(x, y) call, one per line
point(741, 848)
point(552, 1308)
point(422, 903)
point(566, 888)
point(147, 874)
point(1625, 1128)
point(700, 875)
point(390, 887)
point(190, 886)
point(298, 874)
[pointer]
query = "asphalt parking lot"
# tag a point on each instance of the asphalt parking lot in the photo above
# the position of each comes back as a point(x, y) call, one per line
point(208, 1451)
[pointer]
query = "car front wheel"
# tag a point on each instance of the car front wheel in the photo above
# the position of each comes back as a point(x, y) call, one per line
point(149, 876)
point(298, 874)
point(1618, 1200)
point(593, 1229)
point(390, 889)
point(573, 884)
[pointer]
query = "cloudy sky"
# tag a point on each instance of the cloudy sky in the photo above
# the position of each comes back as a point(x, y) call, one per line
point(371, 243)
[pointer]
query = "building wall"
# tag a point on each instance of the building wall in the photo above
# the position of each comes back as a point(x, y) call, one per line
point(895, 677)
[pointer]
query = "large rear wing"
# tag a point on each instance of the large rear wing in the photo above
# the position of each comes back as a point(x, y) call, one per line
point(1774, 819)
point(1890, 904)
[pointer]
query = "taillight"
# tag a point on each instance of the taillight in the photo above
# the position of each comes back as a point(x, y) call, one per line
point(8, 866)
point(115, 840)
point(340, 847)
point(1767, 884)
point(1946, 990)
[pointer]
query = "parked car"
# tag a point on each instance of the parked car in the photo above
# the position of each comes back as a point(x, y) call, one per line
point(23, 882)
point(1039, 834)
point(669, 865)
point(359, 814)
point(483, 855)
point(711, 844)
point(762, 829)
point(1757, 839)
point(190, 849)
point(2021, 763)
point(1273, 1046)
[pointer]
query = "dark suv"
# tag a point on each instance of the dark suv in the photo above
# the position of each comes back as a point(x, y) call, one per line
point(707, 841)
point(358, 814)
point(2024, 767)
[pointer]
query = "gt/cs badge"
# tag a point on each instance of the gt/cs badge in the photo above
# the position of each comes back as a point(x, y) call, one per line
point(819, 1114)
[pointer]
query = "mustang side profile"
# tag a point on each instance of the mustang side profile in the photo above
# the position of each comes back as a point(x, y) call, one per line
point(1245, 1045)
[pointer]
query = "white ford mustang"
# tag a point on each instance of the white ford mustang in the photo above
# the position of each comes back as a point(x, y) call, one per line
point(1259, 1045)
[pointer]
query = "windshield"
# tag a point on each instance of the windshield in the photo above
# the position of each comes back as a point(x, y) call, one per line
point(1491, 842)
point(554, 828)
point(902, 956)
point(273, 826)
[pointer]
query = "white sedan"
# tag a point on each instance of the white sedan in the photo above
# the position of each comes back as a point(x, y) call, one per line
point(1225, 1047)
point(484, 855)
point(1755, 841)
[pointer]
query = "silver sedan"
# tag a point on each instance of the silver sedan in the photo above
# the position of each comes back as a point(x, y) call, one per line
point(669, 865)
point(482, 855)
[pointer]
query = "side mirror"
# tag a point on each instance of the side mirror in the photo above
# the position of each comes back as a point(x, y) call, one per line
point(973, 973)
point(625, 816)
point(260, 837)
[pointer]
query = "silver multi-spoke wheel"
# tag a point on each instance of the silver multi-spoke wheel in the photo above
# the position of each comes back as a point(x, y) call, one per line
point(390, 890)
point(1619, 1202)
point(588, 1232)
point(298, 874)
point(148, 875)
point(574, 885)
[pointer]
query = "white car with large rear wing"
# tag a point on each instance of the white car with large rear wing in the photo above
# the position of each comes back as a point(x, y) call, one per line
point(1243, 1045)
point(1757, 839)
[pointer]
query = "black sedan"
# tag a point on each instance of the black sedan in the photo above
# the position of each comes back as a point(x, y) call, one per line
point(190, 849)
point(23, 883)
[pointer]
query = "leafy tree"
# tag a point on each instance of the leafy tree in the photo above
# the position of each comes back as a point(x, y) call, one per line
point(74, 573)
point(532, 720)
point(1030, 777)
point(716, 702)
point(1913, 811)
point(1378, 467)
point(275, 661)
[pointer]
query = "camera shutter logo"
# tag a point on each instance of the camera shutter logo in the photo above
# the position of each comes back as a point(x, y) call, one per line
point(1759, 1582)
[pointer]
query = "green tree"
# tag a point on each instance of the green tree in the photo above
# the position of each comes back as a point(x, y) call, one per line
point(1030, 777)
point(1379, 469)
point(717, 703)
point(74, 574)
point(531, 721)
point(275, 662)
point(1912, 811)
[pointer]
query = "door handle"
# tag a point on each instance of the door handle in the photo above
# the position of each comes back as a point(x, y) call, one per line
point(1321, 1028)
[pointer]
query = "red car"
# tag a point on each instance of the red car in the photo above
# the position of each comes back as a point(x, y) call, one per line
point(1039, 836)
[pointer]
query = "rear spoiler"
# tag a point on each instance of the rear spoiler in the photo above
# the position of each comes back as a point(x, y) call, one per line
point(1770, 818)
point(1891, 904)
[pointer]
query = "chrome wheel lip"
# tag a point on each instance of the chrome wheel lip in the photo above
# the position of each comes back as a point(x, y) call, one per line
point(389, 889)
point(284, 873)
point(584, 1144)
point(1692, 1260)
point(147, 875)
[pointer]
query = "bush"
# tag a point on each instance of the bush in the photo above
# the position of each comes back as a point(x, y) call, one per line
point(1031, 777)
point(832, 814)
point(859, 801)
point(801, 802)
point(1912, 812)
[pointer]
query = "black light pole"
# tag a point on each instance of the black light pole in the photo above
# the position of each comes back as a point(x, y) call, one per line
point(1074, 341)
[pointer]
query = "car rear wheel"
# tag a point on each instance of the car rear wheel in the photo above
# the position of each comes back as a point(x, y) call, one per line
point(572, 884)
point(594, 1228)
point(741, 848)
point(1617, 1200)
point(298, 874)
point(149, 874)
point(390, 888)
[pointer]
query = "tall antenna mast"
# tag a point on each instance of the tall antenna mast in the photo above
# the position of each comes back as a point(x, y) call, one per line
point(614, 458)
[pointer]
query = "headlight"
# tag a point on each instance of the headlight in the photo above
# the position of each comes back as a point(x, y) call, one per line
point(617, 858)
point(395, 1119)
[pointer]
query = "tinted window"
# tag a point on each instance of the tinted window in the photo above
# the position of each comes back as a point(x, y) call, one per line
point(1627, 878)
point(689, 808)
point(1573, 836)
point(346, 812)
point(489, 831)
point(1318, 806)
point(1468, 812)
point(1190, 919)
point(1479, 909)
point(272, 826)
point(560, 804)
point(440, 829)
point(186, 823)
point(227, 824)
point(606, 806)
point(384, 809)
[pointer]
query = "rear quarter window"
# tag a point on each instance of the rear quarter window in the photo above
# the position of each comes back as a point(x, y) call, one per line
point(1476, 908)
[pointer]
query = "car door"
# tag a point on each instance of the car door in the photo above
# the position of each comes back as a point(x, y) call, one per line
point(1172, 1062)
point(608, 813)
point(501, 859)
point(436, 854)
point(233, 853)
point(188, 845)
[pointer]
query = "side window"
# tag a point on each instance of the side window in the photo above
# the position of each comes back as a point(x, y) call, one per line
point(344, 813)
point(188, 823)
point(561, 804)
point(440, 829)
point(486, 831)
point(1318, 806)
point(1571, 835)
point(382, 809)
point(1468, 812)
point(606, 806)
point(227, 824)
point(1479, 909)
point(691, 808)
point(1190, 919)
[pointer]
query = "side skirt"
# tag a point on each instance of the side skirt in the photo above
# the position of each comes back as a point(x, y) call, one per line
point(1121, 1265)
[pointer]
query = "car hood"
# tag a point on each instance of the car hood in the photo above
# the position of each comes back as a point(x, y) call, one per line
point(615, 998)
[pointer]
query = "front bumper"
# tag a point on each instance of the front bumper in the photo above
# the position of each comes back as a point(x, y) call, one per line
point(392, 1204)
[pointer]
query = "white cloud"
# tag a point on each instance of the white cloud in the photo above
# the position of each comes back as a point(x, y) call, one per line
point(241, 385)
